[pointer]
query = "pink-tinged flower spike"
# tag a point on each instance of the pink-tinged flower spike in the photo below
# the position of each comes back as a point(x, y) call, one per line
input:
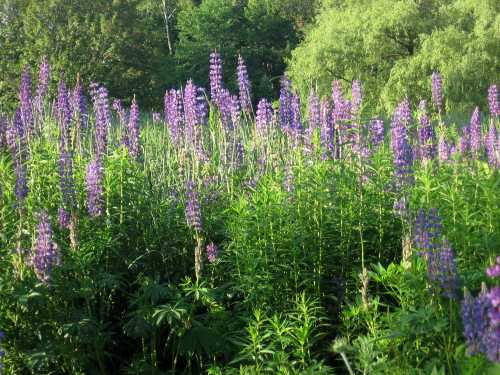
point(46, 255)
point(494, 270)
point(493, 146)
point(156, 117)
point(493, 101)
point(244, 86)
point(133, 130)
point(357, 97)
point(212, 252)
point(263, 117)
point(475, 132)
point(437, 91)
point(376, 133)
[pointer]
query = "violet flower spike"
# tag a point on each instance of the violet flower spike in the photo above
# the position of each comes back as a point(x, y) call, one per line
point(263, 116)
point(193, 208)
point(401, 148)
point(493, 101)
point(46, 255)
point(475, 132)
point(133, 130)
point(26, 102)
point(426, 135)
point(216, 84)
point(212, 252)
point(285, 107)
point(244, 86)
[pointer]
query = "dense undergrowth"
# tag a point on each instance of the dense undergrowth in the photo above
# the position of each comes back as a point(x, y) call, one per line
point(210, 240)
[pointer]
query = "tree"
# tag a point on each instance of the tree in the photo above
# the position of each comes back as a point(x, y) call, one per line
point(393, 46)
point(254, 29)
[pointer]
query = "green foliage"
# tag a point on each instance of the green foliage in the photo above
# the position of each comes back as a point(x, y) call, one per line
point(255, 30)
point(393, 46)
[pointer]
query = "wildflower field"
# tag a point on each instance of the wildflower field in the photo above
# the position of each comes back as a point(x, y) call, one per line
point(230, 235)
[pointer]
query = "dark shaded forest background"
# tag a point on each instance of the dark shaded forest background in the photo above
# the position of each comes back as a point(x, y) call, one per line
point(143, 47)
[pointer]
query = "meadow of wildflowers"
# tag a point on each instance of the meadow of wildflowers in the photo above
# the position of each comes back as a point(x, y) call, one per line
point(228, 234)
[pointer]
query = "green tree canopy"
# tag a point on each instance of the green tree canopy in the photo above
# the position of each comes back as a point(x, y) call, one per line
point(393, 46)
point(255, 29)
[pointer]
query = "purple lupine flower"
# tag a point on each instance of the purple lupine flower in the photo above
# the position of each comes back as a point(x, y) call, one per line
point(443, 270)
point(212, 252)
point(400, 207)
point(475, 132)
point(492, 147)
point(475, 321)
point(494, 270)
point(437, 91)
point(65, 156)
point(156, 117)
point(25, 101)
point(21, 185)
point(441, 263)
point(401, 148)
point(63, 114)
point(3, 131)
point(244, 86)
point(216, 84)
point(341, 116)
point(67, 182)
point(426, 136)
point(234, 109)
point(464, 141)
point(356, 94)
point(133, 130)
point(285, 107)
point(103, 118)
point(327, 131)
point(46, 255)
point(79, 105)
point(314, 111)
point(240, 154)
point(94, 188)
point(493, 101)
point(264, 116)
point(174, 110)
point(193, 208)
point(492, 340)
point(296, 118)
point(427, 231)
point(191, 110)
point(443, 149)
point(201, 106)
point(376, 132)
point(63, 218)
point(224, 104)
point(43, 85)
